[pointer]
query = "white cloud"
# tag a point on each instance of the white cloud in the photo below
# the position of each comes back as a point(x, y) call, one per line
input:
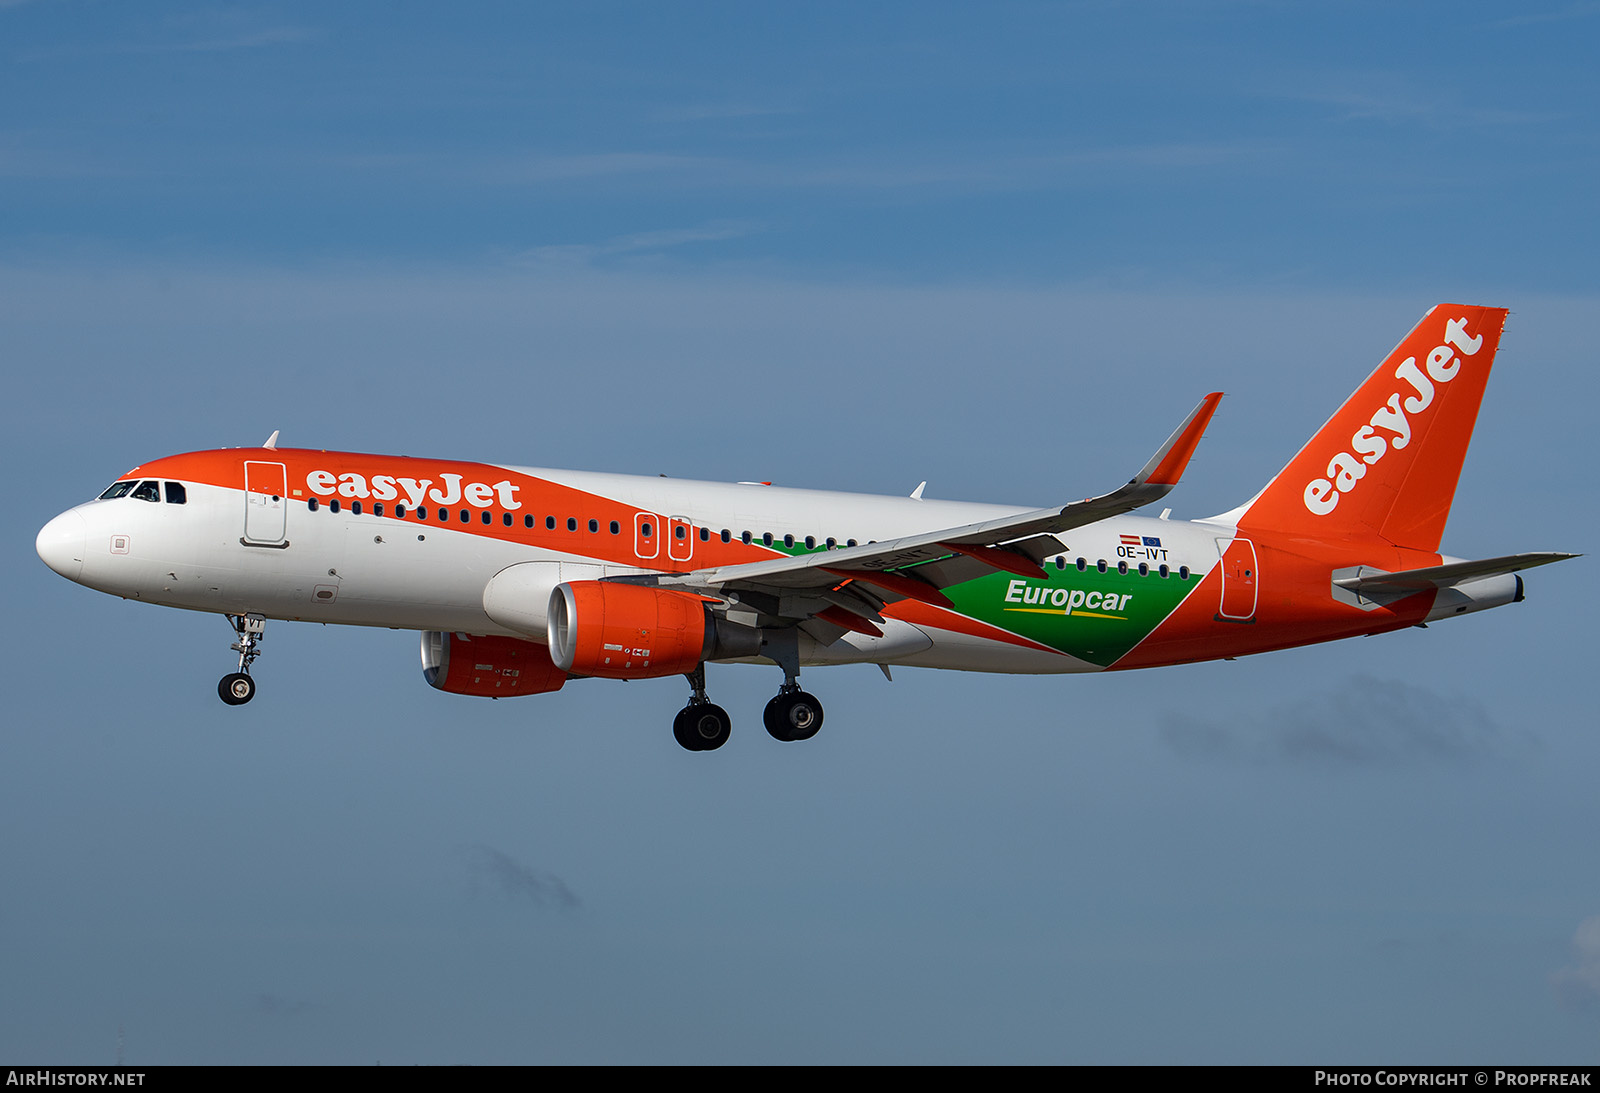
point(1579, 985)
point(1560, 15)
point(567, 168)
point(638, 243)
point(1397, 100)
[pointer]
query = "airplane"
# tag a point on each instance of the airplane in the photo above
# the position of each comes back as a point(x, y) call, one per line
point(522, 578)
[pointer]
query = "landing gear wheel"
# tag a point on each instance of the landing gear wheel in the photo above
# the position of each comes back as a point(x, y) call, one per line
point(793, 715)
point(236, 689)
point(702, 726)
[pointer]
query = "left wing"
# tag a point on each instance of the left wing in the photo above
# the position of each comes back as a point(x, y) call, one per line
point(918, 566)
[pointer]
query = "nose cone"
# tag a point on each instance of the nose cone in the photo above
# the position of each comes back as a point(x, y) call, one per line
point(60, 544)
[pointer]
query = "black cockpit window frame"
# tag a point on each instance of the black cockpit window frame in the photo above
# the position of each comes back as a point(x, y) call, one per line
point(119, 489)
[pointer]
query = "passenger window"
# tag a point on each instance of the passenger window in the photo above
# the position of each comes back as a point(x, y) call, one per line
point(1183, 573)
point(422, 514)
point(705, 534)
point(488, 517)
point(311, 505)
point(811, 542)
point(176, 494)
point(527, 521)
point(118, 489)
point(594, 526)
point(399, 512)
point(377, 510)
point(505, 519)
point(1164, 571)
point(1061, 561)
point(1101, 565)
point(550, 523)
point(677, 532)
point(727, 536)
point(1122, 568)
point(355, 508)
point(466, 517)
point(616, 528)
point(766, 538)
point(644, 530)
point(832, 542)
point(147, 491)
point(745, 537)
point(788, 540)
point(333, 506)
point(572, 524)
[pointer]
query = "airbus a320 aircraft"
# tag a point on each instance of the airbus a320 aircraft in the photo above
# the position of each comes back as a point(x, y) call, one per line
point(521, 578)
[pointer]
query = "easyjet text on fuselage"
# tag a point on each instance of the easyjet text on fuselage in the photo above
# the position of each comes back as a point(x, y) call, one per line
point(415, 491)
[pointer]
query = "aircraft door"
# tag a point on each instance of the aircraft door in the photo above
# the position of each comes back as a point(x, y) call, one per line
point(646, 535)
point(1238, 579)
point(266, 489)
point(680, 538)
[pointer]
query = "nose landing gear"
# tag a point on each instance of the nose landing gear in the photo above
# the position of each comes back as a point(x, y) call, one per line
point(237, 688)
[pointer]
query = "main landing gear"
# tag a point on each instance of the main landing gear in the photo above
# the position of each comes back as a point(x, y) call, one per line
point(702, 725)
point(237, 688)
point(793, 714)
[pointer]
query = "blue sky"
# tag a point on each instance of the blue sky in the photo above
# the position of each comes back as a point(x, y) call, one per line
point(1001, 248)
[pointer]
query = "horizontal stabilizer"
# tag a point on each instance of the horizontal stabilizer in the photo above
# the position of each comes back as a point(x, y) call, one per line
point(1410, 581)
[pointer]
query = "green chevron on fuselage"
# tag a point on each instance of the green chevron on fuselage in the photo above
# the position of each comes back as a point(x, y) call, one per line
point(1094, 616)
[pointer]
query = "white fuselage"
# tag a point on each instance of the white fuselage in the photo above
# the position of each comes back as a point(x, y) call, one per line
point(339, 567)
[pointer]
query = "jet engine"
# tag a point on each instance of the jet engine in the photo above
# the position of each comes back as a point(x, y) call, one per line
point(629, 631)
point(488, 666)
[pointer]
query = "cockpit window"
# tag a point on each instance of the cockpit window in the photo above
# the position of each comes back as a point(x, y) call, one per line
point(148, 491)
point(176, 494)
point(119, 489)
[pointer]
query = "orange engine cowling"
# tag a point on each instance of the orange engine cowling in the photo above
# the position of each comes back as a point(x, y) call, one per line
point(492, 667)
point(626, 631)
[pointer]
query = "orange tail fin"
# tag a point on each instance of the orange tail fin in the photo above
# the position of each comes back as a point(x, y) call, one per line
point(1387, 462)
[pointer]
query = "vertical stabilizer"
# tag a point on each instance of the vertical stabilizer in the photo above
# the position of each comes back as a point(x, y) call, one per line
point(1386, 464)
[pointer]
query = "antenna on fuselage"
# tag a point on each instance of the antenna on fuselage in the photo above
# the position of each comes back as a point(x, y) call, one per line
point(916, 494)
point(272, 441)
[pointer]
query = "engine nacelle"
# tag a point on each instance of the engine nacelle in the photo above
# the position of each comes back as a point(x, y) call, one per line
point(627, 631)
point(488, 666)
point(517, 596)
